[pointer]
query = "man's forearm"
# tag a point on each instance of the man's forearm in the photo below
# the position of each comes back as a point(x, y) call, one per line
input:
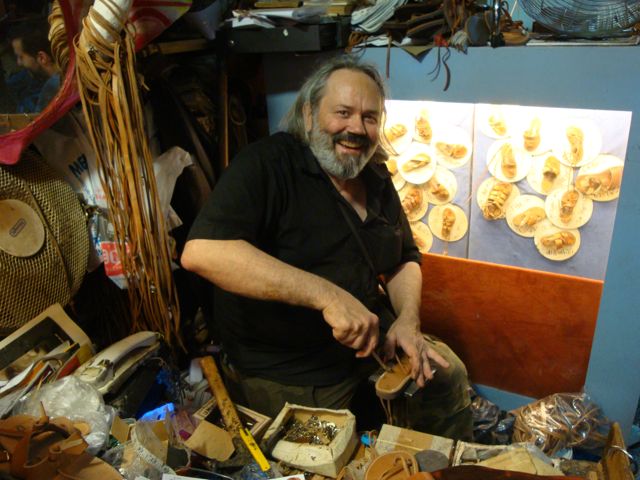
point(240, 268)
point(405, 291)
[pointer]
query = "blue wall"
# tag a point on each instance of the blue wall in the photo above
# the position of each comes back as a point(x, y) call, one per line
point(574, 77)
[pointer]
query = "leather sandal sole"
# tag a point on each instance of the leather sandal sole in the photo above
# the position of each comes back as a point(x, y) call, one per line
point(391, 383)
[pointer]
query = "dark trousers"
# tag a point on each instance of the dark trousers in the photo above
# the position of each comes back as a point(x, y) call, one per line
point(442, 407)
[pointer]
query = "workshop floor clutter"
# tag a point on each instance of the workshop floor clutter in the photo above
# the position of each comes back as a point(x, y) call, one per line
point(71, 415)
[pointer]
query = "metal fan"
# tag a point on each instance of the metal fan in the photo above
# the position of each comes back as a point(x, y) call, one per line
point(589, 18)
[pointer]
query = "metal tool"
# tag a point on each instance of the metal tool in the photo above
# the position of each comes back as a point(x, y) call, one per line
point(380, 362)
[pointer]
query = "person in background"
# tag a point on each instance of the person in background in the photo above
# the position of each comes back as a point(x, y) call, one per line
point(33, 53)
point(298, 305)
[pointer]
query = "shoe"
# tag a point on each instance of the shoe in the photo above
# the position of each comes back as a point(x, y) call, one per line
point(392, 382)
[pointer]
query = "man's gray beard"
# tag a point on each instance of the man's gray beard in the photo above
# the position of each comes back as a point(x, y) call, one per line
point(346, 167)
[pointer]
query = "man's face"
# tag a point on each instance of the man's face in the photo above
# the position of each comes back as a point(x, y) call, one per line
point(24, 59)
point(345, 126)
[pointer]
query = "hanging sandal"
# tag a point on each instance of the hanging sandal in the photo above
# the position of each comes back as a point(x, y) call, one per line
point(397, 465)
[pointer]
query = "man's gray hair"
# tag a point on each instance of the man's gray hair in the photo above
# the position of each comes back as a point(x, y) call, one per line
point(312, 91)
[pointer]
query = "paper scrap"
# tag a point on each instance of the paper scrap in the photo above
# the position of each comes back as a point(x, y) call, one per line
point(211, 441)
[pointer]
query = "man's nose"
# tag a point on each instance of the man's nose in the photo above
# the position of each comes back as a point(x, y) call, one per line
point(356, 125)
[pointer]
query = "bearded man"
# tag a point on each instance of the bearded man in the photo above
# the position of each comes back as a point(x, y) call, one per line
point(291, 237)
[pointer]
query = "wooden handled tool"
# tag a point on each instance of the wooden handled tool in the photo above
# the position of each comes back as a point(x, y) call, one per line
point(246, 447)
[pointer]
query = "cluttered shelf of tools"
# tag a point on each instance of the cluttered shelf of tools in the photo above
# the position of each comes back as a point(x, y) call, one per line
point(178, 46)
point(298, 37)
point(294, 38)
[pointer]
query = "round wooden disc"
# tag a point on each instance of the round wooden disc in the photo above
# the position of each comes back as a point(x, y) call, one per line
point(21, 230)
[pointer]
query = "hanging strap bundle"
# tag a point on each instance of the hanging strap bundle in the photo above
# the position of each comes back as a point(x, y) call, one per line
point(111, 104)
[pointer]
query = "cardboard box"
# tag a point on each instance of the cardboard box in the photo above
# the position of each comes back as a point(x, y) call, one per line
point(48, 332)
point(45, 349)
point(395, 438)
point(254, 421)
point(325, 460)
point(614, 464)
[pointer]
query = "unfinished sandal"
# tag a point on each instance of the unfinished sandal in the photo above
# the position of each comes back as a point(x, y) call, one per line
point(35, 448)
point(392, 382)
point(39, 448)
point(396, 465)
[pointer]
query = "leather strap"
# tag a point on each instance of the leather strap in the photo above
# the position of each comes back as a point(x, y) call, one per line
point(365, 252)
point(109, 91)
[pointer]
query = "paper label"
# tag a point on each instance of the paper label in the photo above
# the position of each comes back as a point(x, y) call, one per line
point(442, 181)
point(422, 236)
point(417, 208)
point(575, 218)
point(545, 185)
point(600, 180)
point(549, 232)
point(448, 222)
point(525, 214)
point(495, 159)
point(484, 190)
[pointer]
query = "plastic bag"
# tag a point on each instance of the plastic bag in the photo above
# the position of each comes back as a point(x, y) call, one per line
point(491, 426)
point(562, 420)
point(78, 401)
point(143, 456)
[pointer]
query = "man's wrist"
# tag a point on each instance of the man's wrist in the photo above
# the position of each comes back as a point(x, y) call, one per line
point(410, 320)
point(326, 293)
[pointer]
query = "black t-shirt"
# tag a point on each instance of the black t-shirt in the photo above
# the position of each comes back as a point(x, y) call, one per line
point(276, 197)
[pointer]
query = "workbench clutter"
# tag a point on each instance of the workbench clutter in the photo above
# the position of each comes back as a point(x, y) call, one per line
point(56, 397)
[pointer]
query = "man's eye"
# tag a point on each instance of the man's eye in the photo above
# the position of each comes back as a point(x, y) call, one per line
point(343, 113)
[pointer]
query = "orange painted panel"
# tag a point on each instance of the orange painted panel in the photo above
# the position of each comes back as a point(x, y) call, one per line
point(519, 330)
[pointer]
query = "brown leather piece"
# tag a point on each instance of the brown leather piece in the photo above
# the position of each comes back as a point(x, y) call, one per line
point(467, 472)
point(523, 331)
point(397, 465)
point(421, 476)
point(42, 448)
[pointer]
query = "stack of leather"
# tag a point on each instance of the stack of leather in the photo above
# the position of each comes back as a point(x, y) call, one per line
point(417, 21)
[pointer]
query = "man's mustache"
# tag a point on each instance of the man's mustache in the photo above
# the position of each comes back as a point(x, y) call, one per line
point(352, 138)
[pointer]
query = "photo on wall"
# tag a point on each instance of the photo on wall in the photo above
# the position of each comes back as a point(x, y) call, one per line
point(526, 186)
point(431, 147)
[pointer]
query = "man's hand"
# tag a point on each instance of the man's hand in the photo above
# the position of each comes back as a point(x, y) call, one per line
point(404, 333)
point(353, 325)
